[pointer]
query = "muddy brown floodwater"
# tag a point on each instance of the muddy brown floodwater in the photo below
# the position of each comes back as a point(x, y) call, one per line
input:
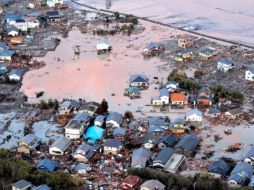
point(94, 77)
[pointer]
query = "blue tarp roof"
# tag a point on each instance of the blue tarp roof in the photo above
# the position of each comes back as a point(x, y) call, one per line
point(94, 133)
point(47, 165)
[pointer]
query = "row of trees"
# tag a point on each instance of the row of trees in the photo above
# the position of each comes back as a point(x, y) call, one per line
point(51, 104)
point(222, 92)
point(14, 169)
point(176, 182)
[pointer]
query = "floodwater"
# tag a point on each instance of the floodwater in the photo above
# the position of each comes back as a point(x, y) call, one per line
point(240, 134)
point(228, 19)
point(94, 77)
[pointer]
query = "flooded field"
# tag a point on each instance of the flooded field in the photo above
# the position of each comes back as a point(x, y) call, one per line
point(224, 19)
point(94, 77)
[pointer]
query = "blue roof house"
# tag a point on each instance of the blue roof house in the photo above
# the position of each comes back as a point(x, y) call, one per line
point(3, 68)
point(241, 174)
point(219, 167)
point(114, 119)
point(94, 134)
point(187, 144)
point(99, 120)
point(42, 187)
point(12, 18)
point(47, 165)
point(6, 55)
point(139, 81)
point(15, 75)
point(3, 46)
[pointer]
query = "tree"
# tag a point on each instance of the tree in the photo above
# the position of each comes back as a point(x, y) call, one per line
point(104, 106)
point(199, 73)
point(177, 75)
point(129, 115)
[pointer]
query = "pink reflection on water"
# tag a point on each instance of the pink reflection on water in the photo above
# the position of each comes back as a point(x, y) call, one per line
point(92, 77)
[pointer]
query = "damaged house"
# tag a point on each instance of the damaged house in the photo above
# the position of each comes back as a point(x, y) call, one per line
point(140, 158)
point(187, 144)
point(59, 147)
point(85, 152)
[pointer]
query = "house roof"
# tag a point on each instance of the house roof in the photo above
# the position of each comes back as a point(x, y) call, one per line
point(164, 92)
point(153, 184)
point(3, 46)
point(17, 72)
point(155, 129)
point(29, 138)
point(42, 187)
point(188, 141)
point(62, 143)
point(82, 117)
point(74, 124)
point(194, 112)
point(241, 172)
point(207, 51)
point(156, 121)
point(138, 78)
point(87, 150)
point(94, 133)
point(70, 104)
point(219, 167)
point(113, 143)
point(104, 41)
point(90, 106)
point(53, 13)
point(184, 51)
point(132, 180)
point(22, 184)
point(12, 17)
point(225, 61)
point(169, 140)
point(7, 53)
point(82, 166)
point(99, 118)
point(251, 69)
point(213, 110)
point(47, 164)
point(147, 138)
point(179, 121)
point(140, 157)
point(115, 116)
point(119, 131)
point(235, 111)
point(132, 89)
point(163, 156)
point(250, 152)
point(4, 65)
point(177, 97)
point(153, 45)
